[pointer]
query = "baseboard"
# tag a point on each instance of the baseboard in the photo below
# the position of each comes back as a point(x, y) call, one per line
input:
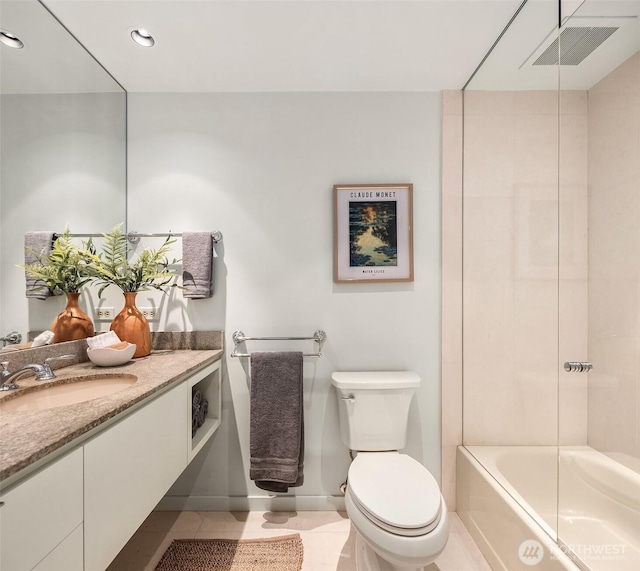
point(252, 503)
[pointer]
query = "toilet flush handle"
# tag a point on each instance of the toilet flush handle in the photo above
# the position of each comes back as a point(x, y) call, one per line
point(350, 398)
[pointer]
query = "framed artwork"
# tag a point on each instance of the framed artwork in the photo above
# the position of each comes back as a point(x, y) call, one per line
point(373, 233)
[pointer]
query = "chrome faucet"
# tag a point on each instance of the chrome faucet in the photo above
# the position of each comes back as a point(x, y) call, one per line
point(43, 372)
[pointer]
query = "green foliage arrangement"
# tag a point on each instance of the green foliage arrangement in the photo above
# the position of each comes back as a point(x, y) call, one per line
point(65, 269)
point(150, 270)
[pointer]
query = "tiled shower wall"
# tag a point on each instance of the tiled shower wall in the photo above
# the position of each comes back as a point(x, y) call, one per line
point(525, 259)
point(511, 213)
point(614, 263)
point(517, 269)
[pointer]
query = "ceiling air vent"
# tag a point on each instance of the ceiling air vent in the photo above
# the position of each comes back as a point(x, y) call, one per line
point(580, 36)
point(575, 44)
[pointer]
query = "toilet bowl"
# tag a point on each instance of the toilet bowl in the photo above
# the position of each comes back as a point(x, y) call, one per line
point(392, 500)
point(395, 505)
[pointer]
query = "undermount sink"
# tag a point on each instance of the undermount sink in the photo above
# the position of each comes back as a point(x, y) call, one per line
point(68, 392)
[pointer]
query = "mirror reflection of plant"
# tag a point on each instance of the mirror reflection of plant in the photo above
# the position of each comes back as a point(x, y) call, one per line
point(65, 269)
point(150, 270)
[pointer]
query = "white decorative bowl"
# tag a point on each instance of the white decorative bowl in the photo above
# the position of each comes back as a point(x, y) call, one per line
point(108, 357)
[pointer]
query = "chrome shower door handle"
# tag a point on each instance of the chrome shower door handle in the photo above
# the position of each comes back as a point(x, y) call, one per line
point(578, 366)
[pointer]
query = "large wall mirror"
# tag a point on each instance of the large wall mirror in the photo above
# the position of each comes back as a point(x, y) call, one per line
point(62, 150)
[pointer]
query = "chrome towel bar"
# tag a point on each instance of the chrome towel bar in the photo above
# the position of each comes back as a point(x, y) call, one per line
point(134, 237)
point(239, 337)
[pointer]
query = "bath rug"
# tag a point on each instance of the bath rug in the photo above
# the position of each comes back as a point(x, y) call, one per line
point(282, 553)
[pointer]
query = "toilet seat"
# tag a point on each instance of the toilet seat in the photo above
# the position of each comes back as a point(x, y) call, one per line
point(395, 492)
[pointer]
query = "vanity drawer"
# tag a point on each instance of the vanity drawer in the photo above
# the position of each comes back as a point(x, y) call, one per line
point(128, 469)
point(68, 555)
point(40, 512)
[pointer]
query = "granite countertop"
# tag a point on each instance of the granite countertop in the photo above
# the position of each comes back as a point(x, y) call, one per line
point(26, 438)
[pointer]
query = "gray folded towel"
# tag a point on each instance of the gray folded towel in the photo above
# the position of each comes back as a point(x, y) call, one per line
point(37, 244)
point(196, 398)
point(276, 440)
point(194, 423)
point(197, 264)
point(202, 412)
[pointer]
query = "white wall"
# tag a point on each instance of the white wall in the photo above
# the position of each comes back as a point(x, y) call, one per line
point(260, 168)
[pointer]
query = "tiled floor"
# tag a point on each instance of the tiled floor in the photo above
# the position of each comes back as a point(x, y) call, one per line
point(326, 536)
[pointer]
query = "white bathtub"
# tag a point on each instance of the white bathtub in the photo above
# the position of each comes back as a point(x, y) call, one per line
point(508, 495)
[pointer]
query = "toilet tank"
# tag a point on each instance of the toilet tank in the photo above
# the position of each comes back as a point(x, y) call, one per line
point(374, 407)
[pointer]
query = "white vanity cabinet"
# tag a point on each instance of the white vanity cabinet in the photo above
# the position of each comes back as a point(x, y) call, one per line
point(80, 509)
point(129, 467)
point(68, 555)
point(41, 518)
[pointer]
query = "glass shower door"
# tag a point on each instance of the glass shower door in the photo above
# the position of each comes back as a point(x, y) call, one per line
point(511, 259)
point(599, 288)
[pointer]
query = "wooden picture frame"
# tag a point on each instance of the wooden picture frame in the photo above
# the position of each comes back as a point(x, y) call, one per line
point(373, 233)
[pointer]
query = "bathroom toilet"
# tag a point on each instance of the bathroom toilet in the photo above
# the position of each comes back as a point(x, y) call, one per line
point(394, 503)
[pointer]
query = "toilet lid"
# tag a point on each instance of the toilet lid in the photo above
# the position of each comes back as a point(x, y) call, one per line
point(395, 491)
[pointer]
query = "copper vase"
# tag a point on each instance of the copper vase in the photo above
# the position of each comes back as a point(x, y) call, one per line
point(72, 323)
point(132, 326)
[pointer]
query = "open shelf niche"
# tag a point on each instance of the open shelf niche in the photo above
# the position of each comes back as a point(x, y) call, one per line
point(209, 382)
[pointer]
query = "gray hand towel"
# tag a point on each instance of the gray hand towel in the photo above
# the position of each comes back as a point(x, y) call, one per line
point(276, 441)
point(37, 244)
point(197, 264)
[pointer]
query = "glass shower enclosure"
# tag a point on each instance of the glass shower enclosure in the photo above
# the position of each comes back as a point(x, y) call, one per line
point(551, 274)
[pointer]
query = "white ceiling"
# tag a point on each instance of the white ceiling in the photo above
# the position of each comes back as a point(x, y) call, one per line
point(39, 68)
point(289, 45)
point(510, 65)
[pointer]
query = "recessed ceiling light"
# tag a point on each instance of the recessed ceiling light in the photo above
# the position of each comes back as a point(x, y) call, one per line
point(11, 40)
point(142, 37)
